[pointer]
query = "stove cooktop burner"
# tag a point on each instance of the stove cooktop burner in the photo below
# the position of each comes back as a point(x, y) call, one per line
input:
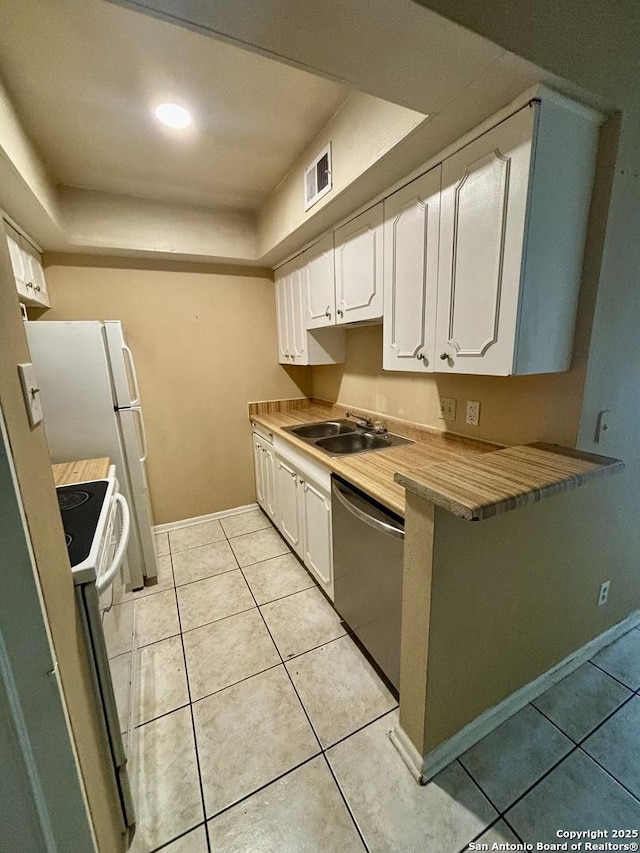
point(80, 508)
point(70, 500)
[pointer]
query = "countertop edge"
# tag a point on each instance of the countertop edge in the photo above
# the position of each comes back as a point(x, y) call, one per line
point(479, 511)
point(340, 465)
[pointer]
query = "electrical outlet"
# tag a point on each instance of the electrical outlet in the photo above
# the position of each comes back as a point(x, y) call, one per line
point(448, 408)
point(473, 412)
point(603, 593)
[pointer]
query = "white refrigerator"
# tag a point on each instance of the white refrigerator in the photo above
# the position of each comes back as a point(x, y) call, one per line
point(91, 408)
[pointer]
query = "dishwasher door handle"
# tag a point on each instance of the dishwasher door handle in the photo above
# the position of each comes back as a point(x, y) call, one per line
point(377, 524)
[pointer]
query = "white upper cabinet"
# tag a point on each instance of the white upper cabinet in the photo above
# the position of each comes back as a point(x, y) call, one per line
point(476, 265)
point(358, 267)
point(513, 218)
point(296, 343)
point(318, 284)
point(27, 270)
point(282, 320)
point(295, 313)
point(411, 226)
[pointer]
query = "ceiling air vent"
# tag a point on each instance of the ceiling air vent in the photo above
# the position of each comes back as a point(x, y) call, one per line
point(317, 178)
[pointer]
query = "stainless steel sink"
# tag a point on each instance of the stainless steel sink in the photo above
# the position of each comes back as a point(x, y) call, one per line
point(342, 438)
point(355, 442)
point(323, 429)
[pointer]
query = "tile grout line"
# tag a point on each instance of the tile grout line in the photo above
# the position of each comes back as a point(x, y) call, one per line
point(610, 774)
point(500, 814)
point(322, 750)
point(581, 740)
point(245, 797)
point(361, 728)
point(346, 803)
point(193, 727)
point(235, 683)
point(180, 837)
point(615, 678)
point(574, 748)
point(478, 836)
point(306, 713)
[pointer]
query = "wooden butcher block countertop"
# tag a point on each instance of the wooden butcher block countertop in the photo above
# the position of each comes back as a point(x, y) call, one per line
point(81, 471)
point(373, 472)
point(471, 479)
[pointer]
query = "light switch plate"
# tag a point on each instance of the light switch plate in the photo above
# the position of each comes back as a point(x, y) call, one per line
point(31, 393)
point(448, 408)
point(604, 426)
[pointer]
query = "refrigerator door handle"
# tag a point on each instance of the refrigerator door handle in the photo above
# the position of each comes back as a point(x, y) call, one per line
point(142, 432)
point(132, 373)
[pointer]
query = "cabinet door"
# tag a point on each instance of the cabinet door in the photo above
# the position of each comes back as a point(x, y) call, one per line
point(282, 320)
point(35, 275)
point(258, 453)
point(269, 480)
point(411, 229)
point(482, 216)
point(18, 264)
point(318, 282)
point(295, 312)
point(359, 274)
point(288, 504)
point(318, 554)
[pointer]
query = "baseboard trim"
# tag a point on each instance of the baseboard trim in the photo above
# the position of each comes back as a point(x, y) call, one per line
point(426, 768)
point(409, 754)
point(200, 519)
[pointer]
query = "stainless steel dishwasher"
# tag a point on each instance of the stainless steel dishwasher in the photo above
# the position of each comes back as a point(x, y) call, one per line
point(368, 544)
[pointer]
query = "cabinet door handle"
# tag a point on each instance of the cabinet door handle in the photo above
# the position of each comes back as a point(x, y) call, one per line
point(301, 481)
point(38, 288)
point(340, 312)
point(420, 356)
point(327, 313)
point(444, 356)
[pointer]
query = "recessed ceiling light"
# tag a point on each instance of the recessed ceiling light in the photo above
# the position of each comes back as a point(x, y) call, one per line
point(173, 116)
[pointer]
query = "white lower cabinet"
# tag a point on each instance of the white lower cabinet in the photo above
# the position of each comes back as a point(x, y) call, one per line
point(288, 502)
point(264, 464)
point(316, 523)
point(303, 510)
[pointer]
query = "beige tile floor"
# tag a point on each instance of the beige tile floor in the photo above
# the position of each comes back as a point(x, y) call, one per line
point(261, 727)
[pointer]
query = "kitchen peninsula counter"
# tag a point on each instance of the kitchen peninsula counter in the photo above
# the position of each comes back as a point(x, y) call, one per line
point(472, 479)
point(372, 472)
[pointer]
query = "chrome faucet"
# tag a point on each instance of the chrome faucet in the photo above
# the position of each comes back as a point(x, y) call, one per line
point(376, 426)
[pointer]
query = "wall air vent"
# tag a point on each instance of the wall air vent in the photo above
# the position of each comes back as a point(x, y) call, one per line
point(317, 178)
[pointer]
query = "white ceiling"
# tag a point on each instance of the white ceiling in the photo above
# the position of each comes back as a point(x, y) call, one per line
point(84, 76)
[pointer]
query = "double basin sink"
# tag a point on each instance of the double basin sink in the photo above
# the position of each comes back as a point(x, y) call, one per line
point(343, 438)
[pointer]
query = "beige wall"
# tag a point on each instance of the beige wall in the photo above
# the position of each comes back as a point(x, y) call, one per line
point(117, 224)
point(31, 460)
point(514, 595)
point(204, 340)
point(361, 132)
point(514, 410)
